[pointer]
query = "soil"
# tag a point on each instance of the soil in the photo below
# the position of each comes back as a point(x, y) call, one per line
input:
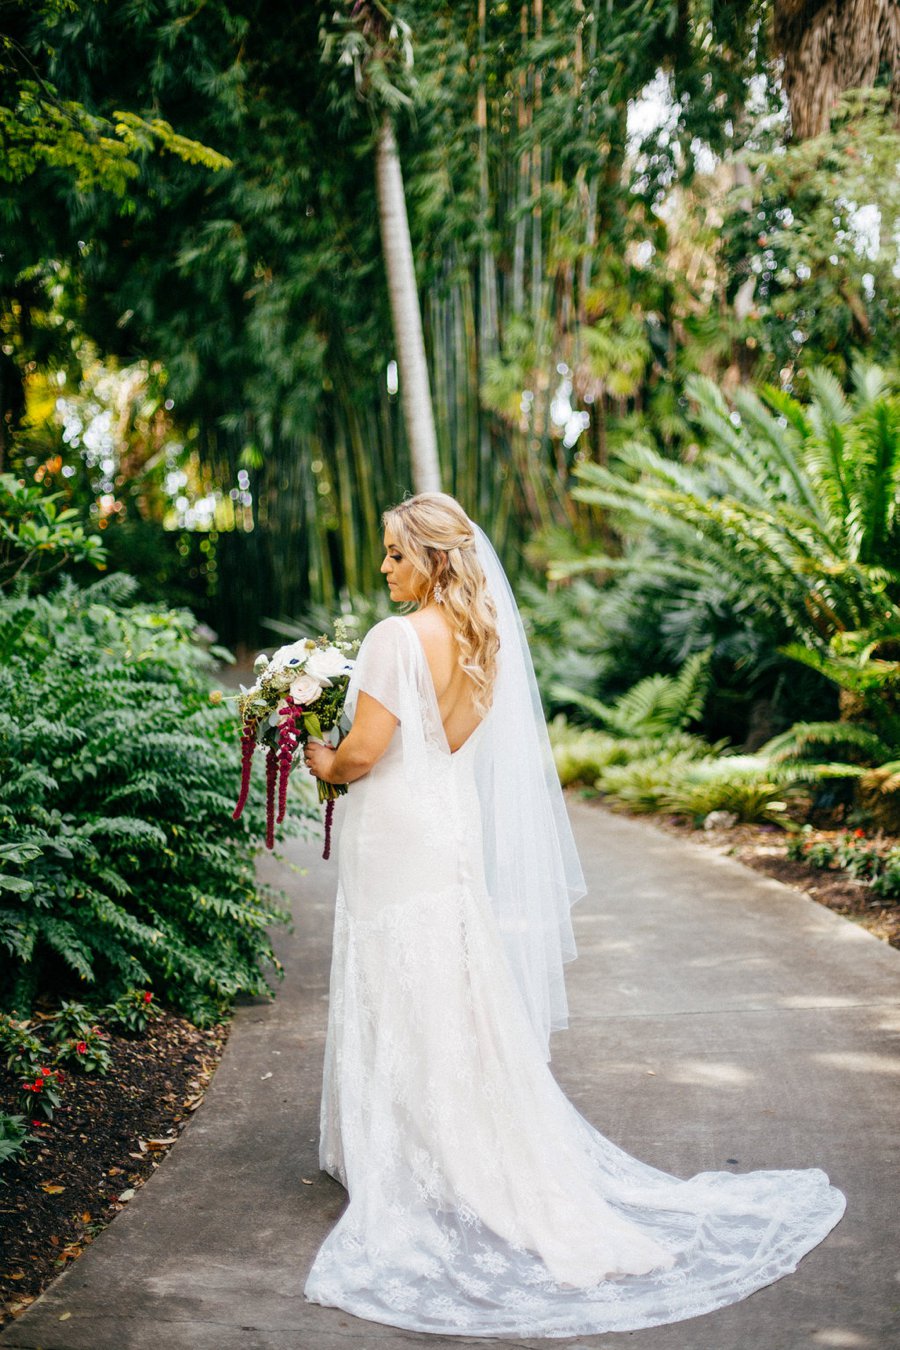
point(107, 1136)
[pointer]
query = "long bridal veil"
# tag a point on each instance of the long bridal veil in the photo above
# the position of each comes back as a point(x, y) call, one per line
point(531, 864)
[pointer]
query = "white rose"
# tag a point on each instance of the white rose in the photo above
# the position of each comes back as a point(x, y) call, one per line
point(326, 663)
point(294, 654)
point(305, 689)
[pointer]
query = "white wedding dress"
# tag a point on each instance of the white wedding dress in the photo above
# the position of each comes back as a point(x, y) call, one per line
point(481, 1203)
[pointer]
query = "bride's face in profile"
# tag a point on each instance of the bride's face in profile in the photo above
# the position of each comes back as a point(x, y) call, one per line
point(399, 571)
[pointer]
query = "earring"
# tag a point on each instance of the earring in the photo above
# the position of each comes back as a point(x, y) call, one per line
point(438, 594)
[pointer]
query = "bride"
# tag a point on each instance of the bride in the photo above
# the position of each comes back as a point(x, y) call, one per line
point(481, 1203)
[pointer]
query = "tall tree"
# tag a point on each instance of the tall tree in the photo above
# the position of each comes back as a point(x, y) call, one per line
point(378, 47)
point(415, 390)
point(830, 46)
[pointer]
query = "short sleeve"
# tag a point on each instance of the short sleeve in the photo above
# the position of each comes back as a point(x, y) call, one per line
point(383, 668)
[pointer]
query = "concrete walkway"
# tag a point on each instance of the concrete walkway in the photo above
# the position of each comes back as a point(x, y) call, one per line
point(719, 1020)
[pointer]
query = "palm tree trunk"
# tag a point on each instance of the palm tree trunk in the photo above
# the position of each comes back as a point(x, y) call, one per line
point(829, 46)
point(537, 240)
point(415, 392)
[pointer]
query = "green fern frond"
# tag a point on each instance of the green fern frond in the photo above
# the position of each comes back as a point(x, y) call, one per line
point(804, 739)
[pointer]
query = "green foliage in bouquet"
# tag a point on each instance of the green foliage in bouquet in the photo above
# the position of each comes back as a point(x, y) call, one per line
point(121, 866)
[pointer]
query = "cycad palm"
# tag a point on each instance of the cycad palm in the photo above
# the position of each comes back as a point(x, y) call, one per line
point(798, 505)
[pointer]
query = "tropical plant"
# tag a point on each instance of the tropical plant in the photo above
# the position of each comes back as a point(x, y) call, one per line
point(886, 885)
point(257, 291)
point(37, 537)
point(655, 706)
point(691, 783)
point(827, 49)
point(808, 246)
point(14, 1135)
point(132, 1012)
point(121, 864)
point(582, 754)
point(740, 785)
point(376, 45)
point(797, 506)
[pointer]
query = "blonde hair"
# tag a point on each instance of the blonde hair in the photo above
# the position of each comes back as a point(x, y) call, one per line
point(435, 534)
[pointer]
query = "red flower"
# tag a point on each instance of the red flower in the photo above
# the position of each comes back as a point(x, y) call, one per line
point(271, 786)
point(60, 1076)
point(859, 834)
point(248, 745)
point(45, 1073)
point(38, 1085)
point(329, 814)
point(147, 996)
point(81, 1047)
point(39, 1122)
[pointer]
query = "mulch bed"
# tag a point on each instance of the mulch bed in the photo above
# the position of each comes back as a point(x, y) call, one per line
point(108, 1135)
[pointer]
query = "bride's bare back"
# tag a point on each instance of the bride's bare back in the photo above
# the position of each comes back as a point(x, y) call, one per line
point(455, 691)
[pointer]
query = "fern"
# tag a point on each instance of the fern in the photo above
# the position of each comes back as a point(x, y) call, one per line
point(805, 740)
point(798, 515)
point(655, 706)
point(120, 864)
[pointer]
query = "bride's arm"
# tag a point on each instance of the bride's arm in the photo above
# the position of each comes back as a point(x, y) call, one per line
point(364, 744)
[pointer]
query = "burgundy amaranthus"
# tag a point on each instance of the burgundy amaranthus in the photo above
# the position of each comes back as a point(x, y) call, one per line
point(288, 740)
point(248, 745)
point(329, 816)
point(271, 783)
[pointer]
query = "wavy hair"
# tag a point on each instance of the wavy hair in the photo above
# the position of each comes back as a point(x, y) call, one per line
point(435, 534)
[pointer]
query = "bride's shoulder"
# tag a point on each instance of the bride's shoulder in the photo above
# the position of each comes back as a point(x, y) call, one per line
point(385, 636)
point(386, 628)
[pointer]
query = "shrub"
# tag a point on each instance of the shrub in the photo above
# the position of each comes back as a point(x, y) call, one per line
point(582, 754)
point(121, 866)
point(37, 536)
point(740, 784)
point(14, 1136)
point(645, 784)
point(655, 706)
point(822, 855)
point(886, 885)
point(861, 860)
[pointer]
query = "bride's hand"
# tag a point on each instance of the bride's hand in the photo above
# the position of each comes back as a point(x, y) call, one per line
point(319, 759)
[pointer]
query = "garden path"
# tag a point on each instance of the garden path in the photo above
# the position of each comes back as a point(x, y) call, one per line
point(718, 1020)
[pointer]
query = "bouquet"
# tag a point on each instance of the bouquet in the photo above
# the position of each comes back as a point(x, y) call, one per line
point(298, 696)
